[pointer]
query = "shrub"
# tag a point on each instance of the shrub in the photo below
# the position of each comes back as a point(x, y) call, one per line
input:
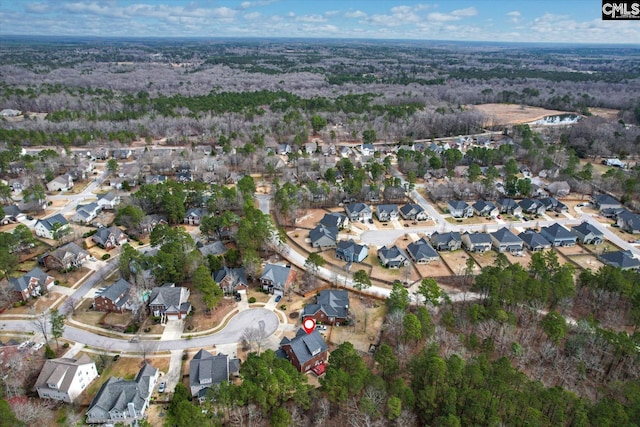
point(49, 353)
point(106, 257)
point(17, 304)
point(116, 357)
point(252, 300)
point(65, 345)
point(283, 307)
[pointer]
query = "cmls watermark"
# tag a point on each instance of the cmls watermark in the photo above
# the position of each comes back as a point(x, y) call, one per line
point(620, 10)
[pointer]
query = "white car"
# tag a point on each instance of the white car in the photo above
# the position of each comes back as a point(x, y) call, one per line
point(23, 345)
point(37, 346)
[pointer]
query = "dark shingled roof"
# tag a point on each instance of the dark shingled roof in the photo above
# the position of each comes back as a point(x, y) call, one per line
point(306, 346)
point(333, 302)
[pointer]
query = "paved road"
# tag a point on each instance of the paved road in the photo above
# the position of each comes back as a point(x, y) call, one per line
point(266, 320)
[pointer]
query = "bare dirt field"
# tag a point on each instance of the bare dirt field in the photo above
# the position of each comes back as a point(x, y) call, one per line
point(509, 114)
point(71, 277)
point(607, 113)
point(310, 218)
point(587, 262)
point(483, 260)
point(201, 320)
point(368, 314)
point(456, 260)
point(433, 269)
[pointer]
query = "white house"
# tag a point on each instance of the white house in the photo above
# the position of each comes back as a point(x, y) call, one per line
point(60, 183)
point(46, 227)
point(108, 200)
point(64, 379)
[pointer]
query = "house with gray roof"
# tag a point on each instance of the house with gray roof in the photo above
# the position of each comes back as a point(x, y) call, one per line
point(534, 241)
point(485, 208)
point(60, 183)
point(277, 278)
point(449, 241)
point(386, 213)
point(115, 298)
point(532, 206)
point(304, 351)
point(413, 212)
point(392, 257)
point(459, 209)
point(350, 251)
point(421, 252)
point(508, 206)
point(109, 237)
point(331, 307)
point(621, 259)
point(46, 227)
point(588, 234)
point(628, 222)
point(11, 214)
point(231, 280)
point(64, 379)
point(559, 188)
point(109, 200)
point(66, 257)
point(335, 219)
point(605, 201)
point(476, 242)
point(323, 237)
point(207, 370)
point(87, 213)
point(557, 235)
point(120, 400)
point(170, 302)
point(30, 284)
point(503, 240)
point(194, 216)
point(358, 212)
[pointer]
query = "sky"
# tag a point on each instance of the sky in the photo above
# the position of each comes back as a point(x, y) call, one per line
point(539, 21)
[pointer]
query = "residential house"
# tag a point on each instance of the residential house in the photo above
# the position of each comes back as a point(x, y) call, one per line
point(64, 379)
point(87, 213)
point(194, 216)
point(335, 219)
point(367, 149)
point(207, 370)
point(612, 212)
point(65, 257)
point(30, 284)
point(605, 201)
point(449, 241)
point(231, 280)
point(170, 302)
point(588, 234)
point(421, 252)
point(621, 259)
point(557, 235)
point(310, 147)
point(331, 307)
point(534, 241)
point(115, 298)
point(477, 242)
point(48, 227)
point(304, 351)
point(155, 179)
point(277, 279)
point(323, 237)
point(628, 222)
point(349, 251)
point(109, 200)
point(504, 240)
point(213, 248)
point(60, 183)
point(392, 257)
point(614, 162)
point(553, 204)
point(149, 222)
point(125, 401)
point(559, 188)
point(358, 212)
point(460, 209)
point(485, 208)
point(122, 154)
point(509, 207)
point(109, 237)
point(532, 207)
point(11, 214)
point(386, 213)
point(413, 212)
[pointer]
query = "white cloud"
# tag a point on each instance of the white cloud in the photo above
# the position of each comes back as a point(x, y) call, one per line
point(311, 18)
point(355, 14)
point(514, 16)
point(37, 7)
point(252, 16)
point(455, 15)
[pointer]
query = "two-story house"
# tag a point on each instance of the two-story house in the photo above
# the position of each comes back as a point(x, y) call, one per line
point(47, 227)
point(460, 209)
point(421, 252)
point(87, 213)
point(109, 237)
point(386, 213)
point(358, 212)
point(335, 219)
point(169, 302)
point(60, 183)
point(65, 257)
point(350, 251)
point(331, 307)
point(503, 240)
point(194, 216)
point(207, 371)
point(277, 279)
point(588, 234)
point(64, 379)
point(476, 242)
point(30, 284)
point(413, 212)
point(304, 351)
point(109, 200)
point(449, 241)
point(114, 299)
point(231, 280)
point(392, 257)
point(120, 400)
point(323, 236)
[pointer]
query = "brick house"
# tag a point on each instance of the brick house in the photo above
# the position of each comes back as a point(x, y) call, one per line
point(331, 307)
point(304, 351)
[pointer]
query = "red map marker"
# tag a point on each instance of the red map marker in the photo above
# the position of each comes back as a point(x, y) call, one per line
point(309, 325)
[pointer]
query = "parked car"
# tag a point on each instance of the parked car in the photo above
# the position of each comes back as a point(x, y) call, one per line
point(162, 387)
point(370, 221)
point(238, 297)
point(278, 298)
point(37, 346)
point(321, 327)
